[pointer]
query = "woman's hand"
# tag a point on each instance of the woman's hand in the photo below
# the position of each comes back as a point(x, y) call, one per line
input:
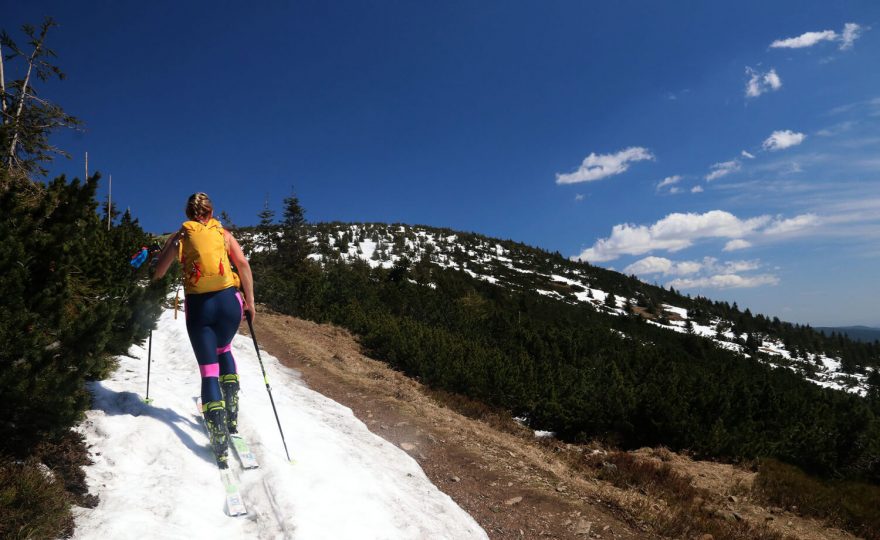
point(249, 311)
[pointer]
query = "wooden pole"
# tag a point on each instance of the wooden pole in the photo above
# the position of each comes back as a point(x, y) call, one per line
point(109, 204)
point(2, 88)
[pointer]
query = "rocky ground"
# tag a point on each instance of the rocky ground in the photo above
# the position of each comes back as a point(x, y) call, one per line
point(514, 485)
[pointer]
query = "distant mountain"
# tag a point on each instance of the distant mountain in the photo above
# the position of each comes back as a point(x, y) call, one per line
point(857, 333)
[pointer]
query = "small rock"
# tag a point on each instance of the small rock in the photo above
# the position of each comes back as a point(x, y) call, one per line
point(732, 499)
point(737, 516)
point(707, 536)
point(409, 447)
point(606, 527)
point(560, 488)
point(455, 479)
point(583, 527)
point(789, 523)
point(512, 501)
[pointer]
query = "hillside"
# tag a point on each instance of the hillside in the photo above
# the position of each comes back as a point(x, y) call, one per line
point(519, 485)
point(578, 351)
point(825, 361)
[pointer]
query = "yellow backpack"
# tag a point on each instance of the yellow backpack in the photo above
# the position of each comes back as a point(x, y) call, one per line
point(204, 259)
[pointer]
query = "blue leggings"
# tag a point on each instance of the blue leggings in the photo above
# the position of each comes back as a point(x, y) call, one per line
point(211, 322)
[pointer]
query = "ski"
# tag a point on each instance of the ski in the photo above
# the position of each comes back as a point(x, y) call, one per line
point(247, 458)
point(234, 501)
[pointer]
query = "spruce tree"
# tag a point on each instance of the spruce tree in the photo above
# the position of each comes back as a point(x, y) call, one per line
point(293, 248)
point(266, 227)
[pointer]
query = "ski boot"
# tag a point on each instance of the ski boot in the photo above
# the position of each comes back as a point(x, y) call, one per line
point(229, 385)
point(215, 419)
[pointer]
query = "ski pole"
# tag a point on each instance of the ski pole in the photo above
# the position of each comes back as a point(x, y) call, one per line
point(266, 378)
point(147, 400)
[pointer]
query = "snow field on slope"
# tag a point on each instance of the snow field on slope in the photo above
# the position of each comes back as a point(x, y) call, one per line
point(156, 476)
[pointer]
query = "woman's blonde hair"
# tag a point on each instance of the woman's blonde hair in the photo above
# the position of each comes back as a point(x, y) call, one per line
point(198, 206)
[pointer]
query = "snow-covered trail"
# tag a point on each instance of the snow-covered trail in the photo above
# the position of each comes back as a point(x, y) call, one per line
point(156, 476)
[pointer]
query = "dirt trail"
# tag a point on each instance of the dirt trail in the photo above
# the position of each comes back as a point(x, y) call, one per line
point(514, 486)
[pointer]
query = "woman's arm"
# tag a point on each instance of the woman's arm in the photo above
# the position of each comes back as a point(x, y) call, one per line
point(166, 256)
point(236, 255)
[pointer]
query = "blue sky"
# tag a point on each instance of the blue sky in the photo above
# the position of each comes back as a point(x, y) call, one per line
point(730, 149)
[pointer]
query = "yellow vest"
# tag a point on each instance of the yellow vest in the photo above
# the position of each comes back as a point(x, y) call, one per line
point(202, 253)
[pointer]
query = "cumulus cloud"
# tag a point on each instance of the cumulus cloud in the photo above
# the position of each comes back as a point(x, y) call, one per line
point(679, 231)
point(579, 197)
point(807, 39)
point(662, 265)
point(708, 273)
point(846, 38)
point(722, 169)
point(725, 281)
point(697, 189)
point(669, 180)
point(672, 233)
point(739, 243)
point(792, 225)
point(760, 83)
point(598, 166)
point(747, 155)
point(780, 140)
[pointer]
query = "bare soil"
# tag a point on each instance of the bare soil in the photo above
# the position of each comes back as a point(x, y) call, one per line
point(513, 484)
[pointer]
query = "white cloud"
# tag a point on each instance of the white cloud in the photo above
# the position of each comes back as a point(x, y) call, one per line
point(725, 281)
point(662, 265)
point(851, 32)
point(722, 169)
point(679, 231)
point(792, 225)
point(697, 189)
point(579, 197)
point(807, 39)
point(715, 274)
point(672, 233)
point(848, 36)
point(760, 83)
point(669, 180)
point(780, 140)
point(747, 155)
point(739, 243)
point(598, 166)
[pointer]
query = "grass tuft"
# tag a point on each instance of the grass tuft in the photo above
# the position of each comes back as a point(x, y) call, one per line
point(33, 502)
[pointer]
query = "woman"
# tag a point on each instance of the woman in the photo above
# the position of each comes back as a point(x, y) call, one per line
point(214, 308)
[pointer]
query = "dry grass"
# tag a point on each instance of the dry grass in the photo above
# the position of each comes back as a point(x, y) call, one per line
point(852, 506)
point(36, 493)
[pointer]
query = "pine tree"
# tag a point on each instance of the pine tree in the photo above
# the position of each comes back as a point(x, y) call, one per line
point(27, 119)
point(293, 248)
point(266, 227)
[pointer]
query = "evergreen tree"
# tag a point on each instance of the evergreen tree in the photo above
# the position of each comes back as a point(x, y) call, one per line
point(293, 247)
point(266, 227)
point(27, 119)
